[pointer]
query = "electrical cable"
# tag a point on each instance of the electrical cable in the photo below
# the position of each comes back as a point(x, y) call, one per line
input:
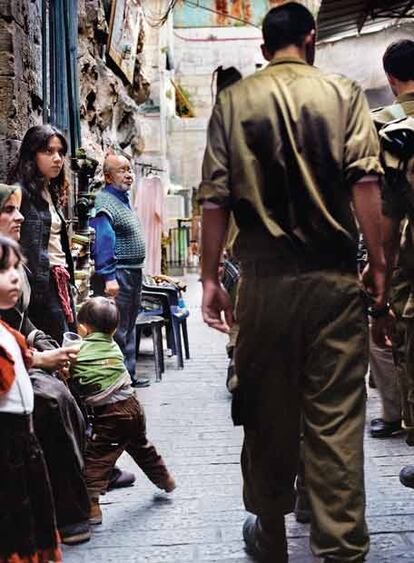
point(158, 20)
point(198, 5)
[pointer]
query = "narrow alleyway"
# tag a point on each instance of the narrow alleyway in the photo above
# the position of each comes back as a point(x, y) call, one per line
point(189, 420)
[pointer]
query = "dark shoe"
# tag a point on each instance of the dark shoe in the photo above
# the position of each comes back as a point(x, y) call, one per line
point(143, 382)
point(74, 534)
point(302, 509)
point(381, 428)
point(274, 551)
point(120, 479)
point(407, 476)
point(409, 440)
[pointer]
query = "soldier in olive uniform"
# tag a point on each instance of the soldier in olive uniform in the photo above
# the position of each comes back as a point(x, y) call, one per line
point(292, 152)
point(398, 226)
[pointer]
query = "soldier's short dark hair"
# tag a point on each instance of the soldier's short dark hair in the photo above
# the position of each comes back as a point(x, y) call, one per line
point(99, 313)
point(398, 60)
point(286, 25)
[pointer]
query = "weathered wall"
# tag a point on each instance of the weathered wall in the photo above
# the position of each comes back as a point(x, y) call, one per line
point(360, 58)
point(20, 74)
point(108, 104)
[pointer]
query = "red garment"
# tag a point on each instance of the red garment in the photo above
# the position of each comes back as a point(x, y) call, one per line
point(62, 277)
point(7, 374)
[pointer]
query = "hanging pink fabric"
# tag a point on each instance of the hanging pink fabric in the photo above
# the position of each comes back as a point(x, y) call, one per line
point(62, 277)
point(149, 205)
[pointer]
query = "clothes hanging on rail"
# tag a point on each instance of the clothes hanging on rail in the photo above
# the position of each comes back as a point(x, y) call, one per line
point(149, 205)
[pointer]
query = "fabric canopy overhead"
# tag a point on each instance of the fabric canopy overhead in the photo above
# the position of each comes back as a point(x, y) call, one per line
point(339, 18)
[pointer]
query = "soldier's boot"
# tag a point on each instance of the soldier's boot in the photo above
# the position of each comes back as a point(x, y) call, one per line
point(266, 540)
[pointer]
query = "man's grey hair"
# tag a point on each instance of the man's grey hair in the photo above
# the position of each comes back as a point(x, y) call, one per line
point(106, 166)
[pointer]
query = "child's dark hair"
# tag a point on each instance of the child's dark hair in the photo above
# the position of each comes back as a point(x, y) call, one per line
point(7, 247)
point(100, 313)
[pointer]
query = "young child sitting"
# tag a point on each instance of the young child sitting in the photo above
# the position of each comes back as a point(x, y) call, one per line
point(28, 528)
point(118, 422)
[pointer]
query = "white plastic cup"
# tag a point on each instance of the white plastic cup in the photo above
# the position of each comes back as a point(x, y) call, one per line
point(71, 339)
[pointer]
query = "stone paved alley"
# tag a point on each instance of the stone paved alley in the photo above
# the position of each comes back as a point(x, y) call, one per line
point(189, 421)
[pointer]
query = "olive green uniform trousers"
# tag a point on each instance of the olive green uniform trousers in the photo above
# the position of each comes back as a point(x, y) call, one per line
point(403, 349)
point(302, 354)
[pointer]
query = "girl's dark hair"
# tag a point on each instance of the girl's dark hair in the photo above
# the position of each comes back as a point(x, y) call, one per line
point(25, 170)
point(7, 247)
point(99, 313)
point(285, 25)
point(398, 60)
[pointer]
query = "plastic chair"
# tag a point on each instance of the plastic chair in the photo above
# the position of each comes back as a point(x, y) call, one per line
point(155, 324)
point(176, 317)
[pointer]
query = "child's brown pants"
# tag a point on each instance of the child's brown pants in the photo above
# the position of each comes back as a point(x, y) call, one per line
point(120, 427)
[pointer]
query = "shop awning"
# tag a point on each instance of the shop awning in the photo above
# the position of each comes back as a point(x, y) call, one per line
point(339, 18)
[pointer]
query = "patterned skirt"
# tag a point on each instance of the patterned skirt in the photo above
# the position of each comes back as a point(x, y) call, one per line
point(27, 519)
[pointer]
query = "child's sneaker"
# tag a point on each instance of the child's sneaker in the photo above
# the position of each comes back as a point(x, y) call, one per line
point(169, 484)
point(95, 516)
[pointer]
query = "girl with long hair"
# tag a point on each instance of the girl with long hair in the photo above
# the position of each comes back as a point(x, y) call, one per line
point(40, 171)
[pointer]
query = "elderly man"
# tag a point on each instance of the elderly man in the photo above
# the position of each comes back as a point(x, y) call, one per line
point(119, 254)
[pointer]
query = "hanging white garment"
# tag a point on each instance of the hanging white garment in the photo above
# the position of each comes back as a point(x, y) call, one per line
point(149, 205)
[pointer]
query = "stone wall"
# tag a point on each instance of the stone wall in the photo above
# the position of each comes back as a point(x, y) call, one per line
point(20, 74)
point(108, 103)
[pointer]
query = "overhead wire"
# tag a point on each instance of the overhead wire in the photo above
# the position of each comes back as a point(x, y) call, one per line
point(220, 13)
point(158, 20)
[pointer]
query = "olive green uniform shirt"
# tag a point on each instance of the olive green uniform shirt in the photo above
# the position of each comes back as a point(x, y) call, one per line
point(398, 202)
point(284, 147)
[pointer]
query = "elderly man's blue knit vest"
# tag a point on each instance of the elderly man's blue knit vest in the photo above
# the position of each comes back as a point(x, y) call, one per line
point(129, 239)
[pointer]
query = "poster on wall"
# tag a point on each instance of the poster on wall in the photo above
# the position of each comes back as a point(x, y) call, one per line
point(123, 35)
point(223, 13)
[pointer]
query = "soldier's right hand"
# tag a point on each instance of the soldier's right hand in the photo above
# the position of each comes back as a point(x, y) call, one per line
point(375, 283)
point(111, 288)
point(383, 330)
point(216, 301)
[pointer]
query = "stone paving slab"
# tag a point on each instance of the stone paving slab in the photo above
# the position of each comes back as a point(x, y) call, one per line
point(188, 416)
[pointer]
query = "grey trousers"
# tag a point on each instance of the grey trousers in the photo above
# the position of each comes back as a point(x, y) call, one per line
point(129, 304)
point(384, 373)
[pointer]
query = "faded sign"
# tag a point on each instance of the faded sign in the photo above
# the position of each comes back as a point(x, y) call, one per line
point(222, 13)
point(124, 33)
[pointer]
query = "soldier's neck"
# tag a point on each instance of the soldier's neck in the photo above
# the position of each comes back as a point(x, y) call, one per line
point(405, 88)
point(290, 51)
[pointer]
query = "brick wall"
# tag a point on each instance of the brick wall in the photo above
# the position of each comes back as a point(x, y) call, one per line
point(20, 74)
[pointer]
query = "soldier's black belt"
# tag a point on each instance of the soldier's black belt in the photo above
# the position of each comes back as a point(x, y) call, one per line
point(271, 267)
